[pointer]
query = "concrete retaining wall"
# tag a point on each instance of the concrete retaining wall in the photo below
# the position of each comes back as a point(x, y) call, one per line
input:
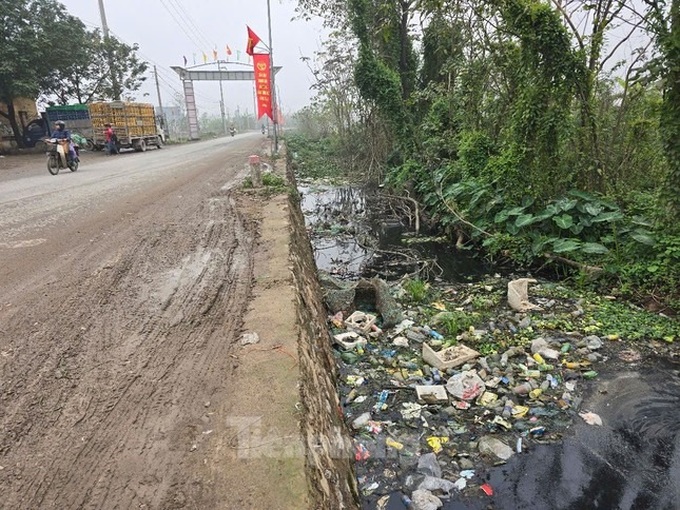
point(329, 455)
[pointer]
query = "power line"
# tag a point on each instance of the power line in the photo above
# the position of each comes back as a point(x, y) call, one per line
point(168, 85)
point(181, 26)
point(201, 96)
point(165, 76)
point(196, 34)
point(190, 21)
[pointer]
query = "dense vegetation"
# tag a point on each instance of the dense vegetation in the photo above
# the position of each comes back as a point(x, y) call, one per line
point(546, 131)
point(45, 51)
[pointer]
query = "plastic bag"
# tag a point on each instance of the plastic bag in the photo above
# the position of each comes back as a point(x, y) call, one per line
point(428, 465)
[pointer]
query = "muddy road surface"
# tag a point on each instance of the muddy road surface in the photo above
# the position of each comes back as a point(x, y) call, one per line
point(122, 292)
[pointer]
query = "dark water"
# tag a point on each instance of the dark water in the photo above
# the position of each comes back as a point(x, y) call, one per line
point(352, 237)
point(630, 463)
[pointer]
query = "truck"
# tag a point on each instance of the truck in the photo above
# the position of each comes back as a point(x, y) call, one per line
point(76, 116)
point(135, 124)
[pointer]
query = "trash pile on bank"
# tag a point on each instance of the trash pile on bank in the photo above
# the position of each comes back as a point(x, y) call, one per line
point(436, 393)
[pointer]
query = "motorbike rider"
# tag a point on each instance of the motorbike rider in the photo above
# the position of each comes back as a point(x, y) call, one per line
point(61, 133)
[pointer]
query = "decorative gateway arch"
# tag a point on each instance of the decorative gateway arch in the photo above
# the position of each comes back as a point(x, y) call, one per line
point(189, 75)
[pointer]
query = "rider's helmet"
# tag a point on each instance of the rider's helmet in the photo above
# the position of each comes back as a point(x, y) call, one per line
point(60, 124)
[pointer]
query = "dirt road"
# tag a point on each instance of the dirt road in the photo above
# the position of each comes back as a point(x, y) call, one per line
point(122, 290)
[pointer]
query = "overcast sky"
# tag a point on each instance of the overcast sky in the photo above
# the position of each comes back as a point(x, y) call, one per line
point(165, 34)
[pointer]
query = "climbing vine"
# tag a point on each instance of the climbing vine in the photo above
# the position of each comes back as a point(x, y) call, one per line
point(528, 127)
point(666, 23)
point(550, 73)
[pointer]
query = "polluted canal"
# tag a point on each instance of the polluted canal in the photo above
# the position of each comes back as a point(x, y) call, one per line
point(469, 388)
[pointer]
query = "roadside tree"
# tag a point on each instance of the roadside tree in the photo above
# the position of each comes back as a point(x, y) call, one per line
point(34, 45)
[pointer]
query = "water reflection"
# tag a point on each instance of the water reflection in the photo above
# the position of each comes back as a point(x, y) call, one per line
point(631, 463)
point(354, 235)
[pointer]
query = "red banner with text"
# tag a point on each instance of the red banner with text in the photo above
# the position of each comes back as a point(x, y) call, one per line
point(263, 85)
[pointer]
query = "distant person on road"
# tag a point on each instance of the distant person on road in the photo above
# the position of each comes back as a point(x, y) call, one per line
point(111, 139)
point(61, 133)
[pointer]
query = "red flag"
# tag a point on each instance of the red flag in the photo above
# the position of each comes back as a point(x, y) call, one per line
point(263, 85)
point(253, 40)
point(228, 50)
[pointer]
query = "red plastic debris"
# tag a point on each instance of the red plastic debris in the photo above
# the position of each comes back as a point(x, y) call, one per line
point(361, 453)
point(488, 490)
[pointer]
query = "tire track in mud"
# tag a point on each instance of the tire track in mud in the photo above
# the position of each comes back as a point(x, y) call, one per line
point(108, 368)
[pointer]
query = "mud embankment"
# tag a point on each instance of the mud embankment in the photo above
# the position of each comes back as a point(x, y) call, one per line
point(329, 462)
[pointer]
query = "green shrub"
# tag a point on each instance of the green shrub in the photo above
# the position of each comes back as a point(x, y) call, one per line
point(416, 289)
point(273, 180)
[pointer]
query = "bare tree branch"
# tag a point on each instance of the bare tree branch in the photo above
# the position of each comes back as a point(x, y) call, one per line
point(567, 18)
point(619, 44)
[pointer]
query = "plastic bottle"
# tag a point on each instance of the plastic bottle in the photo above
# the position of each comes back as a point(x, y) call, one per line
point(436, 375)
point(382, 400)
point(408, 502)
point(435, 335)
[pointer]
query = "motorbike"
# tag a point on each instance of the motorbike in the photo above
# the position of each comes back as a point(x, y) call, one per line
point(232, 131)
point(58, 156)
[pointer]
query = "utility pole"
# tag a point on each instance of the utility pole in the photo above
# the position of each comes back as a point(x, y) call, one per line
point(105, 25)
point(158, 89)
point(255, 103)
point(222, 113)
point(279, 109)
point(160, 102)
point(107, 40)
point(275, 108)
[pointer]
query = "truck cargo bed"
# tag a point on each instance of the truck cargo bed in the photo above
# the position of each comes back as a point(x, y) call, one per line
point(133, 123)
